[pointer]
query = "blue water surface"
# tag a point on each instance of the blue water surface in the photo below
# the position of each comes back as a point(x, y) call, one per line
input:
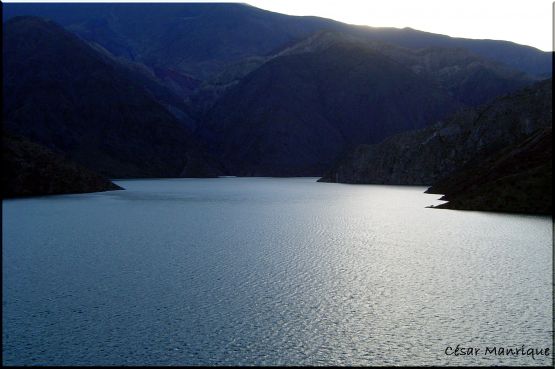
point(269, 271)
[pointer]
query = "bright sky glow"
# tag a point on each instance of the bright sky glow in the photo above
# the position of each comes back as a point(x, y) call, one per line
point(527, 22)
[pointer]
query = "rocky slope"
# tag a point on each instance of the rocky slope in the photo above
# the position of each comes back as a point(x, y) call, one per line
point(29, 169)
point(62, 93)
point(517, 179)
point(423, 157)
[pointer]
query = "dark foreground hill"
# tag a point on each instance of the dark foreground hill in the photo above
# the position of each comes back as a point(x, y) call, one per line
point(516, 179)
point(60, 92)
point(423, 157)
point(29, 169)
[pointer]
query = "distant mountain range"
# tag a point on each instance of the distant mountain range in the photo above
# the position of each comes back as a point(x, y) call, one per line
point(181, 90)
point(201, 39)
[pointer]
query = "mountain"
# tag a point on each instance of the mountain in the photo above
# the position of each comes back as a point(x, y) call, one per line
point(166, 94)
point(64, 94)
point(196, 41)
point(469, 78)
point(29, 169)
point(515, 179)
point(296, 112)
point(272, 94)
point(425, 156)
point(527, 59)
point(465, 76)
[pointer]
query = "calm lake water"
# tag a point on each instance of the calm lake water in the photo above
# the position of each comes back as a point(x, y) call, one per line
point(268, 271)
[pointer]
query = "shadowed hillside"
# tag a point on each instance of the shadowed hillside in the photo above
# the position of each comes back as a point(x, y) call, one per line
point(295, 113)
point(60, 92)
point(136, 90)
point(425, 156)
point(29, 169)
point(516, 179)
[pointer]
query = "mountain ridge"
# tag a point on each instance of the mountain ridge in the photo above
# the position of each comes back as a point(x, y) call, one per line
point(236, 31)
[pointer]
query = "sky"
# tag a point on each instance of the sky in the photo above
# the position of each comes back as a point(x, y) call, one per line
point(527, 22)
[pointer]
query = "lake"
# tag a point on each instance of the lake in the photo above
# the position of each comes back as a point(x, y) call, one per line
point(269, 271)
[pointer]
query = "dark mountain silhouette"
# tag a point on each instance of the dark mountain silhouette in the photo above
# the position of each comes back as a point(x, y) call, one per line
point(294, 114)
point(426, 156)
point(62, 93)
point(125, 88)
point(200, 40)
point(195, 39)
point(29, 169)
point(466, 77)
point(518, 179)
